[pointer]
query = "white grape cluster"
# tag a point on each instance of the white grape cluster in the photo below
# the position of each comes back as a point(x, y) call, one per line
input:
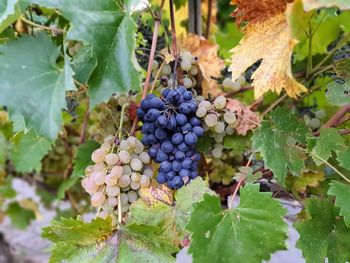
point(187, 63)
point(118, 172)
point(229, 85)
point(315, 122)
point(218, 121)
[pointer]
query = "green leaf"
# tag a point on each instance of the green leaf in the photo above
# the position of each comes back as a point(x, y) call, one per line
point(341, 192)
point(77, 241)
point(81, 161)
point(28, 150)
point(329, 141)
point(338, 94)
point(20, 217)
point(276, 142)
point(186, 197)
point(133, 249)
point(204, 143)
point(343, 158)
point(237, 143)
point(20, 70)
point(342, 4)
point(325, 26)
point(6, 190)
point(110, 30)
point(10, 11)
point(84, 62)
point(323, 233)
point(235, 232)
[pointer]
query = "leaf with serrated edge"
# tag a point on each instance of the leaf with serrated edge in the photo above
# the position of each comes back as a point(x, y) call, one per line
point(343, 158)
point(329, 141)
point(275, 142)
point(235, 232)
point(28, 151)
point(341, 192)
point(338, 94)
point(323, 233)
point(32, 84)
point(110, 31)
point(20, 216)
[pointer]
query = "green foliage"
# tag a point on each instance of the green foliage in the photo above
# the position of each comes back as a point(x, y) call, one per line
point(81, 161)
point(338, 94)
point(323, 233)
point(204, 143)
point(344, 158)
point(329, 141)
point(341, 192)
point(110, 31)
point(236, 231)
point(20, 216)
point(10, 11)
point(77, 241)
point(84, 63)
point(276, 142)
point(27, 151)
point(37, 69)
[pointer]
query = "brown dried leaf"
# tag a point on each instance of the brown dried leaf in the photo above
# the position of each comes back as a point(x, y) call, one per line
point(246, 119)
point(266, 36)
point(208, 61)
point(157, 193)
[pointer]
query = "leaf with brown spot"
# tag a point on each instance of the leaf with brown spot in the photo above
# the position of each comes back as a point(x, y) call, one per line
point(208, 61)
point(267, 36)
point(246, 119)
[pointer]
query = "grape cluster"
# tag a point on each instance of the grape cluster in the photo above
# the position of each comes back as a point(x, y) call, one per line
point(218, 121)
point(229, 85)
point(314, 119)
point(117, 173)
point(171, 130)
point(188, 66)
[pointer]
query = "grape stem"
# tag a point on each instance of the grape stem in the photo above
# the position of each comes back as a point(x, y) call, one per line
point(273, 105)
point(150, 61)
point(240, 181)
point(85, 123)
point(31, 23)
point(119, 210)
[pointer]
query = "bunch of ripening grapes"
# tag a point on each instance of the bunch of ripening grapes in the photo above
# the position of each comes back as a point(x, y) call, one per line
point(162, 74)
point(314, 119)
point(120, 170)
point(218, 121)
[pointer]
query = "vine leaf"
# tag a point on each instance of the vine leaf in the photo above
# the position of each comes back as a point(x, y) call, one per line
point(185, 198)
point(81, 161)
point(341, 192)
point(38, 81)
point(177, 215)
point(28, 150)
point(275, 141)
point(338, 94)
point(329, 141)
point(325, 27)
point(83, 63)
point(307, 179)
point(313, 4)
point(20, 216)
point(10, 11)
point(323, 233)
point(265, 18)
point(77, 241)
point(343, 158)
point(110, 30)
point(236, 231)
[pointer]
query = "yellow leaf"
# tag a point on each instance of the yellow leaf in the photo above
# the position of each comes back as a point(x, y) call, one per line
point(208, 61)
point(313, 4)
point(157, 193)
point(267, 36)
point(307, 179)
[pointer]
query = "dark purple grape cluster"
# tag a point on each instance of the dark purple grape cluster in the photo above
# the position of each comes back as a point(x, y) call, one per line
point(171, 130)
